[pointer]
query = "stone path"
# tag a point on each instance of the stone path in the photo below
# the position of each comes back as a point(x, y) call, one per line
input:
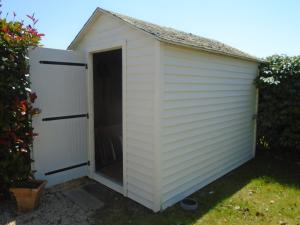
point(63, 205)
point(83, 199)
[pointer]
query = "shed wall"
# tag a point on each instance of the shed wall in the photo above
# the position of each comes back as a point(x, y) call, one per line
point(207, 109)
point(139, 101)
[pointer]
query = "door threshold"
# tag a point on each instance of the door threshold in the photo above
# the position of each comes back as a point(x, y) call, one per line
point(109, 183)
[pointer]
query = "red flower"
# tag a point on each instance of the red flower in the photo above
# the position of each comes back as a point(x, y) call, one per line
point(18, 38)
point(32, 97)
point(18, 140)
point(23, 106)
point(5, 29)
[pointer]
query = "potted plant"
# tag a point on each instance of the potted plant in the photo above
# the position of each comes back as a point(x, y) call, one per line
point(16, 111)
point(28, 194)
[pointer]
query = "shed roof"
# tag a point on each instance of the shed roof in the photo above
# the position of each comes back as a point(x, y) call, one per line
point(169, 35)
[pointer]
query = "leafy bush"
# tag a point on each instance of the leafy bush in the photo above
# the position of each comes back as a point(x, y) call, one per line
point(279, 103)
point(16, 98)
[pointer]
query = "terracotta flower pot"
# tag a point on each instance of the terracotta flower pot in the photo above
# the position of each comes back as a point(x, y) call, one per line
point(28, 197)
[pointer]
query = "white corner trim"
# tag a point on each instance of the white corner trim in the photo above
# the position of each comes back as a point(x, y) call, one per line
point(157, 126)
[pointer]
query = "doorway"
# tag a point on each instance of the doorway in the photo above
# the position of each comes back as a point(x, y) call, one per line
point(107, 82)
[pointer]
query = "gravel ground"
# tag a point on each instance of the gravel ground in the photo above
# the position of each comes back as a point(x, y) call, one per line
point(55, 208)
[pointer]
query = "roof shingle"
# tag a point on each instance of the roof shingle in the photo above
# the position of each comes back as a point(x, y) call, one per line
point(173, 36)
point(167, 34)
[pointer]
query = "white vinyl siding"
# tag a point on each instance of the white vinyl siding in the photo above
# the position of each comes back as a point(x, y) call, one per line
point(139, 116)
point(207, 109)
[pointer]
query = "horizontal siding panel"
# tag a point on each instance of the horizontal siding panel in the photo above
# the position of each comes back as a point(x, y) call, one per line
point(139, 87)
point(146, 112)
point(145, 51)
point(140, 159)
point(139, 60)
point(140, 199)
point(140, 144)
point(140, 135)
point(205, 64)
point(172, 143)
point(140, 42)
point(140, 68)
point(194, 147)
point(177, 128)
point(202, 95)
point(206, 118)
point(137, 181)
point(195, 55)
point(142, 153)
point(172, 70)
point(141, 139)
point(140, 104)
point(208, 176)
point(205, 87)
point(140, 191)
point(134, 171)
point(173, 121)
point(179, 103)
point(204, 150)
point(134, 126)
point(140, 121)
point(136, 95)
point(190, 79)
point(193, 174)
point(204, 109)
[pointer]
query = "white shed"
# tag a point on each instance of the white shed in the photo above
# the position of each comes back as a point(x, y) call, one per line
point(149, 111)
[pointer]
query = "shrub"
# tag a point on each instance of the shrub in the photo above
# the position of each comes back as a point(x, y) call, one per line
point(16, 98)
point(278, 124)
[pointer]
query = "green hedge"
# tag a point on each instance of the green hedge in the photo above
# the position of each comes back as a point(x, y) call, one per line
point(278, 124)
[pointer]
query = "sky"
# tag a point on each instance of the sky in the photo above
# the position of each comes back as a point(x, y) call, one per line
point(258, 27)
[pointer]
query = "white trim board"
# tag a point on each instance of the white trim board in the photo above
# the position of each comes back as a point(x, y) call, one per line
point(103, 47)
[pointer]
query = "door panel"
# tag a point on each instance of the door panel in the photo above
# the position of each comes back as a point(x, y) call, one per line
point(59, 80)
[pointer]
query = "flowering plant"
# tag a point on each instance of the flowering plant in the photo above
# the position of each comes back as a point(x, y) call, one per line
point(16, 99)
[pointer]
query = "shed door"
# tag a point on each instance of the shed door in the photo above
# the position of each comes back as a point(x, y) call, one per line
point(59, 80)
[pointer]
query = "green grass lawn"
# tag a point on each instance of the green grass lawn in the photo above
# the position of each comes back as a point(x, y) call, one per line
point(266, 190)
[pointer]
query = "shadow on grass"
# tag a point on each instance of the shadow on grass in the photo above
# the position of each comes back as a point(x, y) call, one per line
point(285, 171)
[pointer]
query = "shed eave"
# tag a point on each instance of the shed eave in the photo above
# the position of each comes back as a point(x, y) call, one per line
point(98, 11)
point(257, 60)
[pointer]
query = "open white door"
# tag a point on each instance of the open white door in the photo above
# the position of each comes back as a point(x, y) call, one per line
point(59, 80)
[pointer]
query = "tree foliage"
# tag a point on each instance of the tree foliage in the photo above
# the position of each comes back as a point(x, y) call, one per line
point(16, 98)
point(279, 103)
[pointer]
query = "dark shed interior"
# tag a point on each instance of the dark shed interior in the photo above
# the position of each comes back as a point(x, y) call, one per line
point(107, 67)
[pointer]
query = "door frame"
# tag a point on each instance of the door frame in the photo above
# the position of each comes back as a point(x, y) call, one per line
point(103, 47)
